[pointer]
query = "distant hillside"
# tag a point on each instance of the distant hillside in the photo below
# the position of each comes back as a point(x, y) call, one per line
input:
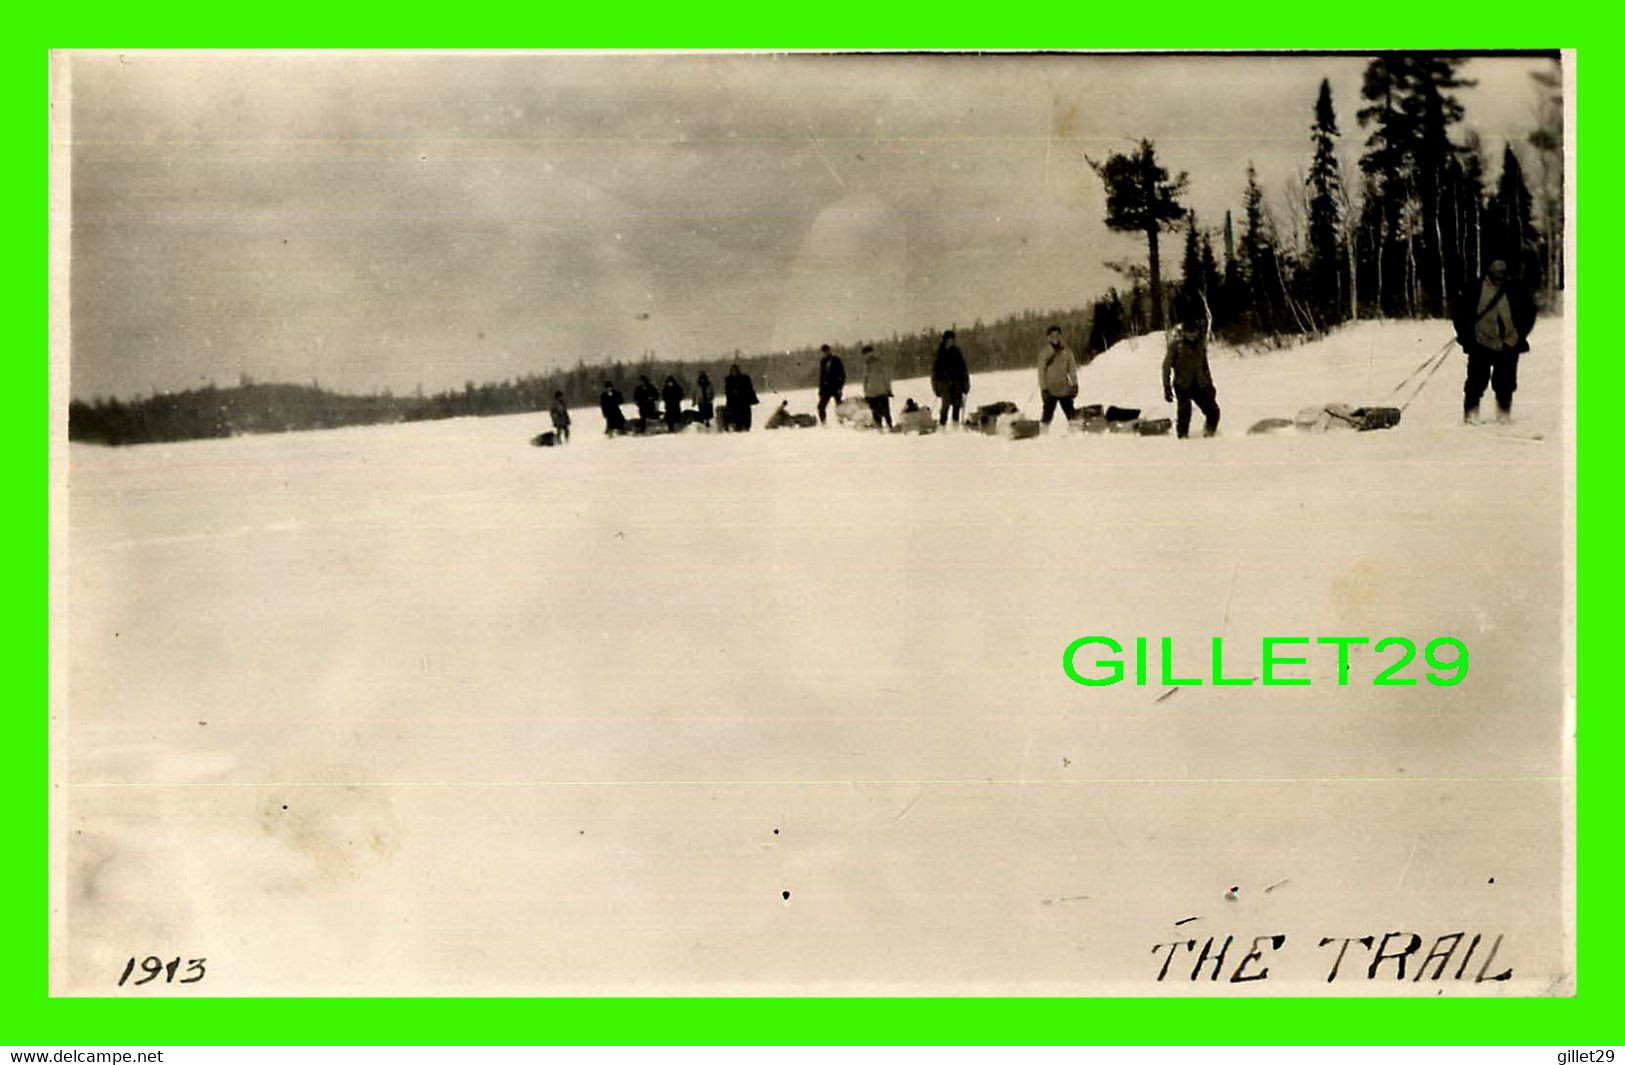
point(201, 413)
point(215, 412)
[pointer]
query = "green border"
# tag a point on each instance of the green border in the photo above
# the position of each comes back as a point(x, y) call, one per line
point(29, 1017)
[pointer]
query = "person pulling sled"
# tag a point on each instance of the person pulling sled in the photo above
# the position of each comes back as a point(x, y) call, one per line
point(1493, 318)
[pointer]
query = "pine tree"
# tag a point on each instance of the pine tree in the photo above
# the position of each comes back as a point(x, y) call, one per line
point(1410, 110)
point(1511, 229)
point(1213, 285)
point(1326, 183)
point(1142, 198)
point(1192, 287)
point(1255, 254)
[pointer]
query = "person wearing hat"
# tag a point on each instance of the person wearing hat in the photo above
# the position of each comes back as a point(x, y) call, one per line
point(950, 378)
point(1057, 375)
point(647, 398)
point(1186, 377)
point(831, 380)
point(559, 411)
point(1493, 318)
point(705, 398)
point(738, 395)
point(609, 401)
point(671, 393)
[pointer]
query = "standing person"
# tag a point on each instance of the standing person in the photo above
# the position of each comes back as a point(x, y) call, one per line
point(609, 401)
point(672, 394)
point(1493, 318)
point(1187, 378)
point(1057, 376)
point(647, 399)
point(950, 378)
point(705, 398)
point(831, 380)
point(877, 386)
point(559, 411)
point(738, 396)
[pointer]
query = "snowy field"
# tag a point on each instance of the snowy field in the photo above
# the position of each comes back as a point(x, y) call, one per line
point(424, 709)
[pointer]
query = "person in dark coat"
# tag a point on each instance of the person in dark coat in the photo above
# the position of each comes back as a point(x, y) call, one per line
point(671, 393)
point(705, 398)
point(738, 396)
point(1493, 317)
point(831, 380)
point(647, 399)
point(609, 401)
point(1187, 379)
point(950, 378)
point(559, 411)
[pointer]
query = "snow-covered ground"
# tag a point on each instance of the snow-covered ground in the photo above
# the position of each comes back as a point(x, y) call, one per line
point(422, 708)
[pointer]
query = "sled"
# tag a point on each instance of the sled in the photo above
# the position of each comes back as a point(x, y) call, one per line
point(1342, 416)
point(986, 417)
point(547, 439)
point(855, 413)
point(1369, 418)
point(1015, 427)
point(1153, 426)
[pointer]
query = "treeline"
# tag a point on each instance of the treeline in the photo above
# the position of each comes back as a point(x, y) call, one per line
point(1007, 343)
point(1420, 220)
point(206, 412)
point(1004, 344)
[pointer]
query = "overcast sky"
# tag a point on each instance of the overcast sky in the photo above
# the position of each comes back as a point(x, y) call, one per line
point(387, 221)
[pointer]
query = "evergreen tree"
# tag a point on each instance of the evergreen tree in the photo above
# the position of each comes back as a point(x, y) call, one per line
point(1192, 280)
point(1511, 228)
point(1142, 198)
point(1213, 285)
point(1255, 254)
point(1470, 206)
point(1410, 110)
point(1325, 183)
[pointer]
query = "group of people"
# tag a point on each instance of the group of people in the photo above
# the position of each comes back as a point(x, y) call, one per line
point(665, 404)
point(1492, 319)
point(950, 381)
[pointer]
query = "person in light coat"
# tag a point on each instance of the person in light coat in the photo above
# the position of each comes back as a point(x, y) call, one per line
point(1057, 376)
point(877, 389)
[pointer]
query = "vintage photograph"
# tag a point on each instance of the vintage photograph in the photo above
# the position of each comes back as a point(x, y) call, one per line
point(812, 524)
